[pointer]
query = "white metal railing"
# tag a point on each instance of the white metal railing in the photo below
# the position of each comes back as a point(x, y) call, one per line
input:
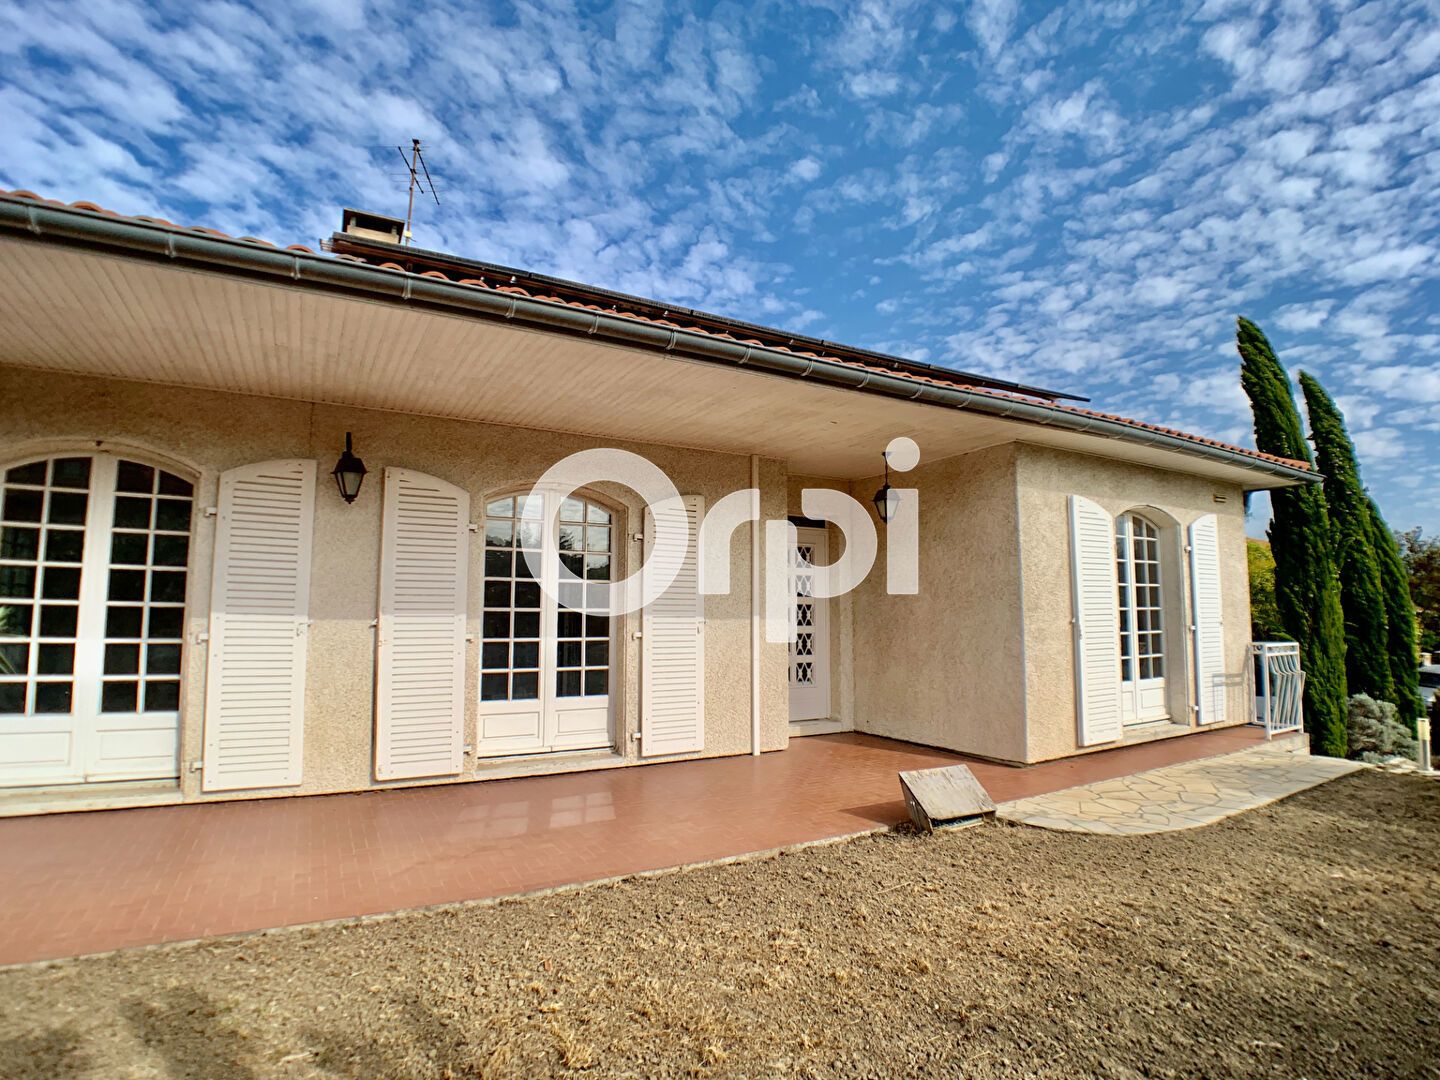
point(1279, 686)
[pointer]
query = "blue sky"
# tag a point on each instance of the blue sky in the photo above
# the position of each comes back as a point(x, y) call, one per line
point(1080, 195)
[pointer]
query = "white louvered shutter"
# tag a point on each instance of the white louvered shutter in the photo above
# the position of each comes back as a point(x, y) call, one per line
point(1097, 622)
point(420, 654)
point(1209, 627)
point(672, 664)
point(259, 622)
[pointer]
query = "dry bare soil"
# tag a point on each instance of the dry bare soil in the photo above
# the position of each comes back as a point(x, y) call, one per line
point(1297, 940)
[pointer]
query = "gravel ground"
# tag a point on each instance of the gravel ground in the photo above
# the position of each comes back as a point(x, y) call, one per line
point(1296, 940)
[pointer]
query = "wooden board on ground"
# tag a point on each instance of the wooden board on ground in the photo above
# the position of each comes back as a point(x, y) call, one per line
point(948, 796)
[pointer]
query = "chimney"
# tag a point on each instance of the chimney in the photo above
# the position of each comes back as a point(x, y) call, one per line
point(387, 230)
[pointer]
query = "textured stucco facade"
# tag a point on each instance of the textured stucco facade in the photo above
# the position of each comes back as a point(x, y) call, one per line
point(982, 659)
point(944, 667)
point(1044, 481)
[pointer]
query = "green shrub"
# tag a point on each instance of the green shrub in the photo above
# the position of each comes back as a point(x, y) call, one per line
point(1265, 624)
point(1376, 731)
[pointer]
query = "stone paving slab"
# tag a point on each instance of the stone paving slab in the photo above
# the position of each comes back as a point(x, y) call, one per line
point(1182, 796)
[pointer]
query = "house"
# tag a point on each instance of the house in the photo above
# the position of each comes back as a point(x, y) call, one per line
point(190, 608)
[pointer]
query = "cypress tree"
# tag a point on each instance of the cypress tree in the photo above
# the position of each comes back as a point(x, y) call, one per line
point(1367, 661)
point(1306, 590)
point(1399, 619)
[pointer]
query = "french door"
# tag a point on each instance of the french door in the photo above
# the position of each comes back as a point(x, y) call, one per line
point(1142, 628)
point(93, 558)
point(545, 666)
point(810, 647)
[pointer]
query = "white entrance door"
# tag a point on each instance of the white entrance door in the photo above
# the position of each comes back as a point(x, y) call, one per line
point(545, 666)
point(93, 556)
point(1142, 631)
point(810, 651)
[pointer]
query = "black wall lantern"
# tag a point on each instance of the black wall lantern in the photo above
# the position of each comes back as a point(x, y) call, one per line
point(887, 499)
point(349, 473)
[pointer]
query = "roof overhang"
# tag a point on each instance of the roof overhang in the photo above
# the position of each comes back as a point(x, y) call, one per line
point(363, 248)
point(94, 294)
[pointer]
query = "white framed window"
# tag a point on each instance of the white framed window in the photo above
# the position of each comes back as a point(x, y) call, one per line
point(42, 542)
point(510, 627)
point(1142, 618)
point(94, 552)
point(145, 590)
point(545, 664)
point(1142, 627)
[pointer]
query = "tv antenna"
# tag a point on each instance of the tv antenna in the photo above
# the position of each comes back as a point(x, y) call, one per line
point(426, 186)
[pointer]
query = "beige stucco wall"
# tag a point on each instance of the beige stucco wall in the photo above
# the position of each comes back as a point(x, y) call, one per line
point(201, 433)
point(945, 667)
point(1045, 479)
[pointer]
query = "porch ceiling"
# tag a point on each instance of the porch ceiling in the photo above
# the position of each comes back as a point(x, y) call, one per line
point(69, 309)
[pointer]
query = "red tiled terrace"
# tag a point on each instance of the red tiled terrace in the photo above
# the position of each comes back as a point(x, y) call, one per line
point(89, 882)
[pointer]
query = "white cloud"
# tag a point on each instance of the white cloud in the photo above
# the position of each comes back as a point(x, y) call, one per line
point(1359, 412)
point(1406, 382)
point(806, 169)
point(991, 22)
point(1159, 291)
point(1078, 114)
point(1359, 323)
point(873, 84)
point(1298, 318)
point(1382, 444)
point(1386, 265)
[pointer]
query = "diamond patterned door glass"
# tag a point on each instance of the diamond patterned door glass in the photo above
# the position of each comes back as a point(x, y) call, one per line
point(1137, 559)
point(802, 670)
point(145, 590)
point(44, 507)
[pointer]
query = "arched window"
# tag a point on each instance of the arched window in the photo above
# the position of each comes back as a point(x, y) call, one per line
point(1142, 628)
point(93, 557)
point(545, 665)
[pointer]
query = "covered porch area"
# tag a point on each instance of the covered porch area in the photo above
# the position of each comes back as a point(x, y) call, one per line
point(212, 381)
point(92, 882)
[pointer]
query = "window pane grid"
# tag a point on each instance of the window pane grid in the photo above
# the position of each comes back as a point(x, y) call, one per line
point(582, 647)
point(510, 651)
point(1137, 558)
point(145, 592)
point(43, 511)
point(514, 604)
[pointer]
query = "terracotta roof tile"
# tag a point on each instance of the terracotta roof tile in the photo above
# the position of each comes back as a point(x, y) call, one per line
point(911, 376)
